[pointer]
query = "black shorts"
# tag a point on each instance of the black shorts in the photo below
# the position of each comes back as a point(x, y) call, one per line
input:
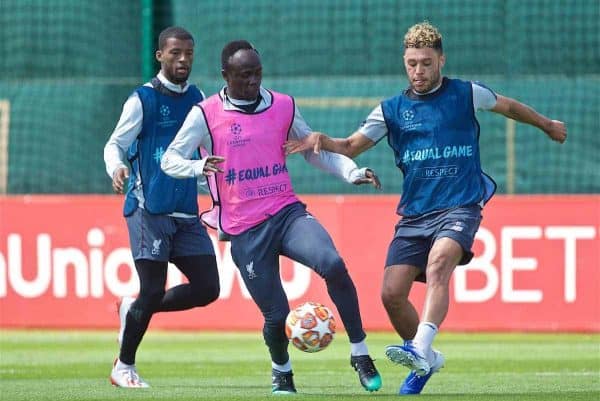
point(415, 236)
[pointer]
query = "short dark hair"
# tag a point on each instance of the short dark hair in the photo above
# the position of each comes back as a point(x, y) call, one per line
point(176, 32)
point(231, 48)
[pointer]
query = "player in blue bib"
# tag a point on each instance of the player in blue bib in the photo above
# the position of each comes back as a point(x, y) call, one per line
point(432, 130)
point(161, 212)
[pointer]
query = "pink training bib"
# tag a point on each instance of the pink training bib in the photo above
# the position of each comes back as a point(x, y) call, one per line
point(255, 183)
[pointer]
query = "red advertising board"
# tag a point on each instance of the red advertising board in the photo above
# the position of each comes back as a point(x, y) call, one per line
point(64, 261)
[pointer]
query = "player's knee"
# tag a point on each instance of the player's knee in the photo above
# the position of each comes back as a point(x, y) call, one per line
point(439, 271)
point(387, 297)
point(333, 267)
point(212, 292)
point(206, 293)
point(203, 275)
point(392, 297)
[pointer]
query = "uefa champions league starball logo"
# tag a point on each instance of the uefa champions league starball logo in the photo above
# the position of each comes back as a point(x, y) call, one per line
point(236, 130)
point(236, 136)
point(408, 115)
point(164, 111)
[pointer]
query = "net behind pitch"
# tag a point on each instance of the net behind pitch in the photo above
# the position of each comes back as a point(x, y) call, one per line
point(70, 65)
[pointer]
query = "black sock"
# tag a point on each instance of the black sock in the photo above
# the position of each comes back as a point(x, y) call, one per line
point(135, 328)
point(277, 342)
point(153, 276)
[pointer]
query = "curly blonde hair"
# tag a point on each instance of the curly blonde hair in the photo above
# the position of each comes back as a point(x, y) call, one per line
point(423, 35)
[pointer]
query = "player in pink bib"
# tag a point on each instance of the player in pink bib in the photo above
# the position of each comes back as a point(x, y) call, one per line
point(256, 183)
point(241, 132)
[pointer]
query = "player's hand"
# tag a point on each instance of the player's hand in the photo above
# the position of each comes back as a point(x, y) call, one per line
point(369, 178)
point(557, 131)
point(211, 166)
point(312, 141)
point(120, 175)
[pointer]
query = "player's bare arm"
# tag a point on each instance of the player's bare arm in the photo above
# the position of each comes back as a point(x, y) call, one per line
point(518, 111)
point(351, 146)
point(120, 175)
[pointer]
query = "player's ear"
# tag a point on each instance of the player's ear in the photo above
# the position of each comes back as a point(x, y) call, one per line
point(442, 61)
point(224, 74)
point(158, 55)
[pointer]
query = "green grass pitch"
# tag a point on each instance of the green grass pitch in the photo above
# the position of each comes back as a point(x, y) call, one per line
point(74, 365)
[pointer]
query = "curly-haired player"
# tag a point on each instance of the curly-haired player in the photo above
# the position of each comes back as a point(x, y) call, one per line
point(432, 130)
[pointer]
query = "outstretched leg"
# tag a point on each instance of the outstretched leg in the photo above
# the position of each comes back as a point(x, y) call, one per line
point(443, 259)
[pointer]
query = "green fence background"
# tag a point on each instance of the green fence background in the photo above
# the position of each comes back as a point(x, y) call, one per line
point(68, 66)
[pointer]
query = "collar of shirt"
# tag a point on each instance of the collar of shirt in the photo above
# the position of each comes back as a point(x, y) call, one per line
point(170, 85)
point(228, 101)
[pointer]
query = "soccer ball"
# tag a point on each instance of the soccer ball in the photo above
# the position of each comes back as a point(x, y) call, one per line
point(310, 327)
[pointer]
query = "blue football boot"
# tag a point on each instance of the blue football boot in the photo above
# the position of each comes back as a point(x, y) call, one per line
point(413, 384)
point(408, 355)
